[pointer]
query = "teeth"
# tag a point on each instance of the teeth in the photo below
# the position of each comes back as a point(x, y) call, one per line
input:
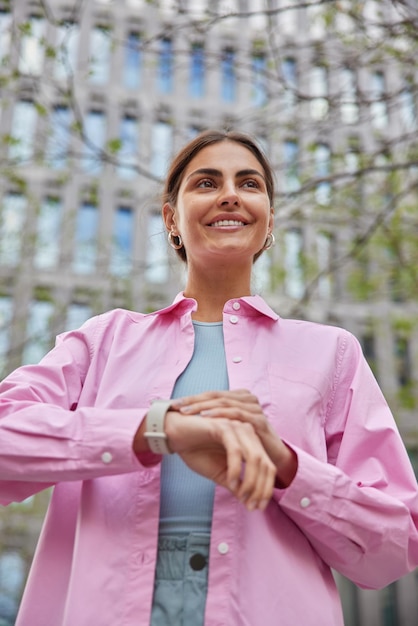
point(228, 223)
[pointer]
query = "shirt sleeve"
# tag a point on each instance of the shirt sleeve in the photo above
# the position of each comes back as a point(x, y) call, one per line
point(46, 437)
point(359, 510)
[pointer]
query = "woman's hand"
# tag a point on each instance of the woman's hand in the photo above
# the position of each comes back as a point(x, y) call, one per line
point(242, 406)
point(226, 451)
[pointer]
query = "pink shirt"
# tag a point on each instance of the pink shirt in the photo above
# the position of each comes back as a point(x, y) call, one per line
point(70, 421)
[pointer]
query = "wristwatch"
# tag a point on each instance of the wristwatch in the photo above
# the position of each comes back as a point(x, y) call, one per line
point(155, 434)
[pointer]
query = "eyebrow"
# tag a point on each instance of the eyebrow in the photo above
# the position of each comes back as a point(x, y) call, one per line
point(208, 171)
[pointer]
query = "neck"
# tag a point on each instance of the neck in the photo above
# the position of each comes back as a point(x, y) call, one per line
point(211, 289)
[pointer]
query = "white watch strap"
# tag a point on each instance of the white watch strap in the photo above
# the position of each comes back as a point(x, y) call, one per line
point(157, 439)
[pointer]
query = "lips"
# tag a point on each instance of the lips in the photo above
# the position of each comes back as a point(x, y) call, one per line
point(220, 223)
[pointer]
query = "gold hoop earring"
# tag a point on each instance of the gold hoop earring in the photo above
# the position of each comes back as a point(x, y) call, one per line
point(175, 244)
point(270, 241)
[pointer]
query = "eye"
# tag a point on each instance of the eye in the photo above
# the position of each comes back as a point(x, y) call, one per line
point(205, 183)
point(251, 183)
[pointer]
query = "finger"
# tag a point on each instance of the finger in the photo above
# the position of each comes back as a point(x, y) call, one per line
point(258, 474)
point(221, 396)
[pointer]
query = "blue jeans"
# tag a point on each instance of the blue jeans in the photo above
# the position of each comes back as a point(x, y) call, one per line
point(181, 581)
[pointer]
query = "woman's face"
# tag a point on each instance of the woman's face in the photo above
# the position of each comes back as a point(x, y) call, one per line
point(223, 210)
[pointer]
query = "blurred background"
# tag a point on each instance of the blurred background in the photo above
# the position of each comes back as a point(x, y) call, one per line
point(95, 98)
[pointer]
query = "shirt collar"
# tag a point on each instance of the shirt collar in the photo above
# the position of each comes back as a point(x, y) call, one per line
point(181, 305)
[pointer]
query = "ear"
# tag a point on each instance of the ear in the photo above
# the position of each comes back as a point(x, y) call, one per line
point(169, 217)
point(271, 220)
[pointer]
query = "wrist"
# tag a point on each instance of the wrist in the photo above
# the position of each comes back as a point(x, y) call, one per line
point(155, 433)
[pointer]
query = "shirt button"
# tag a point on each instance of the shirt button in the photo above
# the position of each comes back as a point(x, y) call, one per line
point(237, 359)
point(107, 457)
point(233, 319)
point(236, 306)
point(223, 548)
point(305, 502)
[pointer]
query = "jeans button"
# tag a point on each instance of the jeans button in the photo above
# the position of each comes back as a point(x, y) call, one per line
point(197, 561)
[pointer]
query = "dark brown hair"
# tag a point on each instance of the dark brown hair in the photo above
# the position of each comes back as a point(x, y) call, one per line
point(191, 149)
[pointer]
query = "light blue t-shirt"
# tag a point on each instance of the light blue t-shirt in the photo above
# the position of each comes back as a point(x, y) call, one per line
point(186, 497)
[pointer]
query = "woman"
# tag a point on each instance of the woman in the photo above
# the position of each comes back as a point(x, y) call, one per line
point(286, 463)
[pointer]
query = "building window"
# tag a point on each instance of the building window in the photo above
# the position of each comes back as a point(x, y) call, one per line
point(100, 55)
point(6, 317)
point(378, 107)
point(408, 108)
point(5, 26)
point(324, 249)
point(368, 345)
point(259, 79)
point(48, 234)
point(32, 51)
point(156, 270)
point(59, 139)
point(403, 362)
point(94, 141)
point(322, 170)
point(132, 61)
point(165, 66)
point(66, 49)
point(77, 314)
point(12, 222)
point(291, 166)
point(228, 76)
point(38, 334)
point(289, 72)
point(348, 90)
point(23, 131)
point(319, 92)
point(12, 577)
point(85, 248)
point(122, 241)
point(197, 71)
point(294, 275)
point(161, 147)
point(128, 154)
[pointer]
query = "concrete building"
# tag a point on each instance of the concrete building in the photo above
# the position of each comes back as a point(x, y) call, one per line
point(104, 92)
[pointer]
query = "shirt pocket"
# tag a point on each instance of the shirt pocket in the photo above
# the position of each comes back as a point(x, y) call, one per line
point(297, 408)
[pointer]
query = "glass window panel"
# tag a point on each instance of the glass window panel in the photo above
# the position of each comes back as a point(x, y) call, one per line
point(157, 252)
point(85, 245)
point(132, 61)
point(161, 147)
point(258, 19)
point(403, 361)
point(165, 66)
point(259, 86)
point(289, 71)
point(294, 279)
point(128, 154)
point(408, 109)
point(197, 71)
point(228, 76)
point(67, 49)
point(95, 132)
point(291, 166)
point(32, 51)
point(59, 138)
point(23, 131)
point(348, 91)
point(48, 234)
point(378, 106)
point(100, 54)
point(5, 26)
point(38, 333)
point(77, 314)
point(11, 228)
point(319, 92)
point(288, 16)
point(122, 241)
point(322, 170)
point(6, 316)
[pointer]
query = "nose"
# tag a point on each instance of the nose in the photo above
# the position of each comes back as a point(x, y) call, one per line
point(228, 195)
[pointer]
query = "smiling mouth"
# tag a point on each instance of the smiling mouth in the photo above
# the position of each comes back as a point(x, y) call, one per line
point(227, 223)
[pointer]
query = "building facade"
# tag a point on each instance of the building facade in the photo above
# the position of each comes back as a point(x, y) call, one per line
point(96, 96)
